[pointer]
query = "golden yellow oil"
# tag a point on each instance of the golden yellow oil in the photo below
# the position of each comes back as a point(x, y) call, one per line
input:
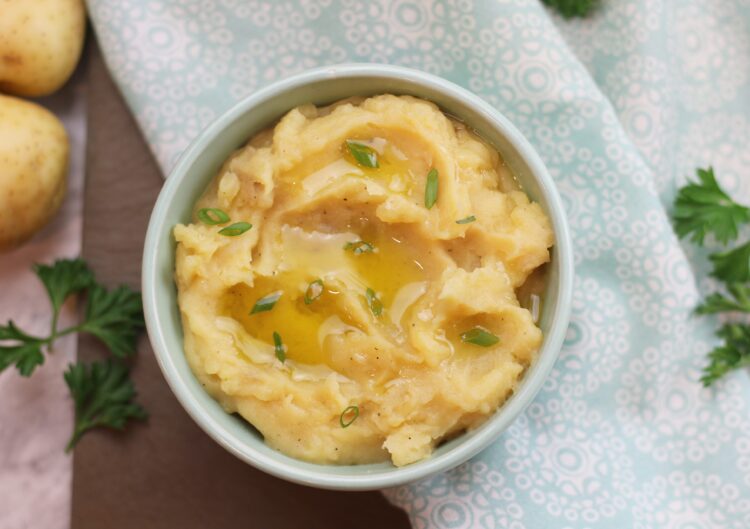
point(396, 171)
point(391, 264)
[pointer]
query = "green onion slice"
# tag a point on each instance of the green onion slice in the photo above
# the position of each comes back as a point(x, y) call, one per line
point(376, 306)
point(479, 336)
point(359, 247)
point(314, 290)
point(266, 303)
point(238, 228)
point(366, 156)
point(212, 216)
point(279, 347)
point(348, 416)
point(431, 189)
point(466, 220)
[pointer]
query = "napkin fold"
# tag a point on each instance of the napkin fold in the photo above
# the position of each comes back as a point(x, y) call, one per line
point(621, 106)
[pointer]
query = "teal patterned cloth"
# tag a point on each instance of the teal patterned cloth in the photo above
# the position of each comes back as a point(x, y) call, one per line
point(622, 107)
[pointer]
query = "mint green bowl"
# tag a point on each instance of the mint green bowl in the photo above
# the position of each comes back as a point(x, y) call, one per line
point(200, 163)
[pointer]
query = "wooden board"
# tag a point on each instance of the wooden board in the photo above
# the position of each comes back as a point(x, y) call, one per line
point(167, 473)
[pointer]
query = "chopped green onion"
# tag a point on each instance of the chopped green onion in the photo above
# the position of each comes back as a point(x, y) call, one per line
point(212, 216)
point(431, 189)
point(314, 290)
point(279, 347)
point(466, 220)
point(238, 228)
point(479, 336)
point(352, 411)
point(266, 303)
point(365, 156)
point(376, 306)
point(359, 247)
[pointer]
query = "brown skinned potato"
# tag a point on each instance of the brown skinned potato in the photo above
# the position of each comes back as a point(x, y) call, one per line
point(33, 165)
point(40, 44)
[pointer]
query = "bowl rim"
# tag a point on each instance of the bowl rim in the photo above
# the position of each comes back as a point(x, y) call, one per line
point(506, 413)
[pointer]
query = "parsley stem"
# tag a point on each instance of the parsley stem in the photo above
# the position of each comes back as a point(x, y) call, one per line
point(55, 334)
point(53, 330)
point(78, 432)
point(59, 334)
point(70, 330)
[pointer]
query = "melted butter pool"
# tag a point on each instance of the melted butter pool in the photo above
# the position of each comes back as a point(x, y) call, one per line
point(392, 270)
point(396, 171)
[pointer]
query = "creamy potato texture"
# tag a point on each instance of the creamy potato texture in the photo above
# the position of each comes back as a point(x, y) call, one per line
point(349, 293)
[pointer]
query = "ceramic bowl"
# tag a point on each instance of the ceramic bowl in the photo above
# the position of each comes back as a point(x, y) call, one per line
point(200, 163)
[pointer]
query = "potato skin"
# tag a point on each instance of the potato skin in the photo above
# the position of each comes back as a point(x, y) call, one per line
point(40, 44)
point(34, 151)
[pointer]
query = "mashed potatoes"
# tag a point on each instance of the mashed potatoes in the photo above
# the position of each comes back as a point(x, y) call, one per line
point(371, 310)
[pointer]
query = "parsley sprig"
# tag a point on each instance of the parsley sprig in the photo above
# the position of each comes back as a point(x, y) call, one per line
point(102, 391)
point(115, 317)
point(732, 266)
point(738, 300)
point(702, 207)
point(26, 353)
point(65, 277)
point(103, 395)
point(734, 354)
point(572, 8)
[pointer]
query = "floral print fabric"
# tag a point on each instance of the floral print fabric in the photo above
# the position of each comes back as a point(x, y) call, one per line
point(622, 106)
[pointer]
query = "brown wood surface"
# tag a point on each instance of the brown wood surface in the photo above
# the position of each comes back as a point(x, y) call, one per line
point(167, 473)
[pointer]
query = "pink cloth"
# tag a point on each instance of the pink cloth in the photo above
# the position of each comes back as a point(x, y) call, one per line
point(36, 414)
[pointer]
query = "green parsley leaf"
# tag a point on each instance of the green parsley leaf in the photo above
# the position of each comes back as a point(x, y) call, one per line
point(233, 230)
point(103, 395)
point(376, 306)
point(734, 354)
point(703, 207)
point(279, 347)
point(61, 279)
point(364, 155)
point(267, 302)
point(479, 336)
point(212, 216)
point(359, 247)
point(26, 355)
point(466, 220)
point(732, 266)
point(717, 302)
point(348, 416)
point(115, 317)
point(431, 189)
point(314, 291)
point(572, 8)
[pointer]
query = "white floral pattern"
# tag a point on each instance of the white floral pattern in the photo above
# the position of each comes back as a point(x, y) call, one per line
point(622, 106)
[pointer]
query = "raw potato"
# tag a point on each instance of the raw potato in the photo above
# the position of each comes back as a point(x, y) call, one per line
point(40, 43)
point(33, 164)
